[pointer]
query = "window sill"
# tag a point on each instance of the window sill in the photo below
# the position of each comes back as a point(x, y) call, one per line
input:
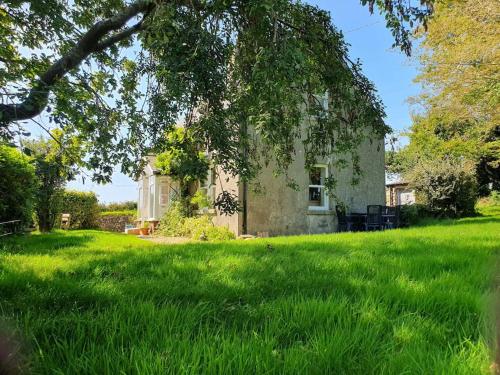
point(320, 212)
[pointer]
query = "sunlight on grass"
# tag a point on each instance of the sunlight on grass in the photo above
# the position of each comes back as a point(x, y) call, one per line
point(402, 301)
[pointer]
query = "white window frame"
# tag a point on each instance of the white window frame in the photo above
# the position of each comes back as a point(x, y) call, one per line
point(140, 203)
point(326, 204)
point(152, 197)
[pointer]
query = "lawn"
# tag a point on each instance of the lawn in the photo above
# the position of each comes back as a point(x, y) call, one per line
point(416, 301)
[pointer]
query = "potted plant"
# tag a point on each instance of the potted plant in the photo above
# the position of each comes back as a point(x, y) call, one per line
point(144, 230)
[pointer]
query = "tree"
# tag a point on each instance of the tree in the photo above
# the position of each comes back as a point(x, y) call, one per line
point(446, 185)
point(228, 67)
point(17, 177)
point(183, 161)
point(459, 71)
point(55, 162)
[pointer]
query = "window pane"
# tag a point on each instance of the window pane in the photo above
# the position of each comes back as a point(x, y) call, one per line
point(317, 176)
point(316, 196)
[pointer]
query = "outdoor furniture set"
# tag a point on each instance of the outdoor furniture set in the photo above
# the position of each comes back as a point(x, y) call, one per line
point(377, 217)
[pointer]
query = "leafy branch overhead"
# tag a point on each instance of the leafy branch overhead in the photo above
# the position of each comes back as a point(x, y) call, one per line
point(119, 74)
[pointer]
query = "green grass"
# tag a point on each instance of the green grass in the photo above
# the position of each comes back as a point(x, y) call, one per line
point(413, 301)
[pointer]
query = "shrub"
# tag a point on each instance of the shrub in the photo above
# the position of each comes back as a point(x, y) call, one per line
point(175, 223)
point(446, 186)
point(411, 214)
point(83, 208)
point(132, 213)
point(17, 176)
point(172, 222)
point(200, 200)
point(118, 206)
point(495, 198)
point(202, 228)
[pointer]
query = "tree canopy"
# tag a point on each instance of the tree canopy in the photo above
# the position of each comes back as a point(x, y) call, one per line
point(118, 75)
point(460, 75)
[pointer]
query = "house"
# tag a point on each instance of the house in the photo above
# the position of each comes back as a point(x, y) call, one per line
point(398, 193)
point(278, 209)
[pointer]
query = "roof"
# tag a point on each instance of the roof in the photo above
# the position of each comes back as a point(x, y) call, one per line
point(397, 183)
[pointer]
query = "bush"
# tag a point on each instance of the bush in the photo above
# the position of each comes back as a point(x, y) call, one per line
point(17, 176)
point(202, 228)
point(413, 213)
point(172, 222)
point(175, 224)
point(83, 208)
point(446, 186)
point(118, 206)
point(132, 213)
point(494, 198)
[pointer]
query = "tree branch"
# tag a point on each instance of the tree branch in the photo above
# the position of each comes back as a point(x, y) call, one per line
point(92, 41)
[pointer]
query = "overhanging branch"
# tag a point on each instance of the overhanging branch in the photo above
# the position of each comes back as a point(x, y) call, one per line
point(94, 40)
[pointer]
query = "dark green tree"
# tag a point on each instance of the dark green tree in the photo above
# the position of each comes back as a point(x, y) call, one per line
point(56, 161)
point(118, 74)
point(17, 185)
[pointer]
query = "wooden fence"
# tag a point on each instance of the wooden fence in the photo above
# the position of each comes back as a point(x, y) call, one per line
point(10, 227)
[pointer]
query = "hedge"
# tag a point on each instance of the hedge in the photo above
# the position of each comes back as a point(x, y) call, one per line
point(83, 208)
point(17, 183)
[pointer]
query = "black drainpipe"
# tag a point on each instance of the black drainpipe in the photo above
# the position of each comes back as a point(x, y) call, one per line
point(245, 184)
point(245, 220)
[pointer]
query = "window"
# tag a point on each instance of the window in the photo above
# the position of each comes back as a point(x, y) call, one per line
point(164, 193)
point(208, 186)
point(141, 203)
point(318, 199)
point(320, 100)
point(152, 196)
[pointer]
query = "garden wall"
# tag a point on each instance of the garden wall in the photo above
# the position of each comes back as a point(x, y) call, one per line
point(114, 223)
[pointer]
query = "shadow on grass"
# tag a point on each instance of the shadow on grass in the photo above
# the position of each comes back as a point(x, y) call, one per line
point(253, 272)
point(40, 244)
point(380, 284)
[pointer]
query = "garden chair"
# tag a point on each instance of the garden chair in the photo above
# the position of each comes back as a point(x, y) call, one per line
point(374, 218)
point(390, 217)
point(344, 225)
point(65, 221)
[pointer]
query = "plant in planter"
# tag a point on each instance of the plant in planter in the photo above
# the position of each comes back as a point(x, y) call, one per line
point(144, 230)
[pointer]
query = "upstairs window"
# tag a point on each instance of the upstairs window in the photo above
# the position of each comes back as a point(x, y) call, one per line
point(318, 199)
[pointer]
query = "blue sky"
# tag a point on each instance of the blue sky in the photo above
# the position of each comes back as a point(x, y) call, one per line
point(389, 69)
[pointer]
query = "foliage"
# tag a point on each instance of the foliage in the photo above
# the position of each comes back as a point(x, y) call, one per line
point(495, 198)
point(447, 186)
point(402, 16)
point(245, 76)
point(459, 71)
point(175, 223)
point(202, 228)
point(17, 177)
point(489, 206)
point(201, 200)
point(412, 214)
point(172, 222)
point(55, 161)
point(412, 301)
point(182, 160)
point(119, 213)
point(83, 208)
point(118, 206)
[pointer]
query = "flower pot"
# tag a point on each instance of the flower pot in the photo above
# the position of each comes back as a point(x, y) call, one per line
point(144, 231)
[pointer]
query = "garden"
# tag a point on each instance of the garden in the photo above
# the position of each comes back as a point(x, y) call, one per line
point(416, 300)
point(206, 107)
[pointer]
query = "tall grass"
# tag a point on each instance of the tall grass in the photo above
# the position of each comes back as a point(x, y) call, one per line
point(403, 301)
